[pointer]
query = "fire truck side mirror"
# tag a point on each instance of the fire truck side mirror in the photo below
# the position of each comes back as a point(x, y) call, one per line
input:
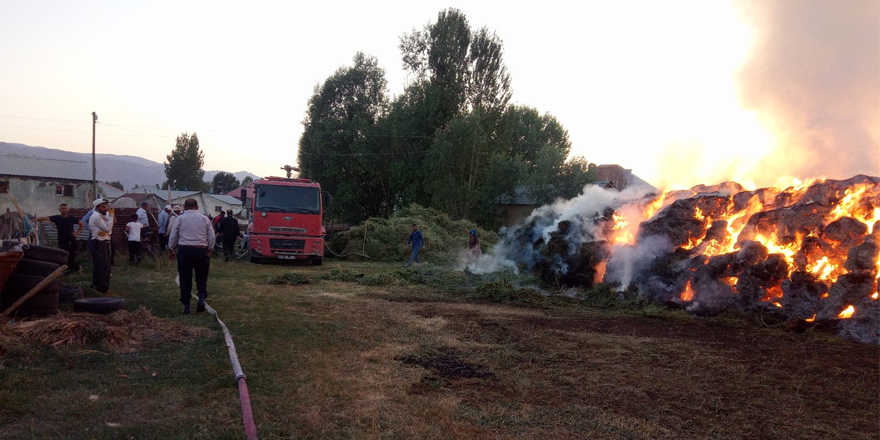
point(326, 199)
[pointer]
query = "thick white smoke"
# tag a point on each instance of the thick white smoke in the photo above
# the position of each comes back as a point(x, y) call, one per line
point(582, 213)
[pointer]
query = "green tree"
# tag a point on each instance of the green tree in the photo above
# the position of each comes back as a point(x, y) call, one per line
point(116, 184)
point(335, 147)
point(183, 170)
point(246, 180)
point(224, 182)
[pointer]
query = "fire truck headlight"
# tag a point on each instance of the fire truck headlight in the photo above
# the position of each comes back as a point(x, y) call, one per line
point(263, 213)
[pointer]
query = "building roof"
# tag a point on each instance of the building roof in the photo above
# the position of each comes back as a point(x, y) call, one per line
point(111, 192)
point(26, 166)
point(249, 190)
point(161, 193)
point(229, 200)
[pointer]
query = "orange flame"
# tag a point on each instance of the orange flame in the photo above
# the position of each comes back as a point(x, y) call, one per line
point(811, 319)
point(688, 293)
point(875, 296)
point(847, 312)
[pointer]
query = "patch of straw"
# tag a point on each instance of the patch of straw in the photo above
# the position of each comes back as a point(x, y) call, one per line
point(121, 331)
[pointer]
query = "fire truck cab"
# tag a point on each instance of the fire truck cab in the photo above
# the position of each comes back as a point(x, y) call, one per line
point(287, 220)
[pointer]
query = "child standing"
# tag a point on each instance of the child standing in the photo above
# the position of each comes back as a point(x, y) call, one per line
point(133, 232)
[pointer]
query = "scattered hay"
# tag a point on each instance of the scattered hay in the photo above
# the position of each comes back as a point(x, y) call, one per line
point(385, 239)
point(121, 331)
point(344, 275)
point(503, 290)
point(290, 279)
point(380, 279)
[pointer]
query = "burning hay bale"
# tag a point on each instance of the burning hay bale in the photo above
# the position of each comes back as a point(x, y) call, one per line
point(122, 331)
point(808, 252)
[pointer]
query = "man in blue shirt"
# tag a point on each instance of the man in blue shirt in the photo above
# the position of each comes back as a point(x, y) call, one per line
point(163, 226)
point(418, 241)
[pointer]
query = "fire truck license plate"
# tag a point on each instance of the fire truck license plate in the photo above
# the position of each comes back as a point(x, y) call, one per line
point(287, 257)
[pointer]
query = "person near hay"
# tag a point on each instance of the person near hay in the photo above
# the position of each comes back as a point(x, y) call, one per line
point(133, 232)
point(192, 239)
point(474, 244)
point(418, 242)
point(64, 224)
point(101, 226)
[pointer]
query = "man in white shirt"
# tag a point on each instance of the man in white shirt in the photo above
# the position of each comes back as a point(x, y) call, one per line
point(192, 238)
point(142, 218)
point(101, 226)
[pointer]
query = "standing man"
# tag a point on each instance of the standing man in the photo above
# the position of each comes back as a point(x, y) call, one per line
point(418, 241)
point(229, 232)
point(142, 218)
point(192, 238)
point(163, 226)
point(101, 226)
point(66, 238)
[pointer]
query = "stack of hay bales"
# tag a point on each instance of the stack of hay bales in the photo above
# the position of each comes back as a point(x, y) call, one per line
point(385, 239)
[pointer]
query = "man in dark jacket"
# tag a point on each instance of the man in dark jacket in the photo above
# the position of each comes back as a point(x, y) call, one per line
point(229, 232)
point(64, 224)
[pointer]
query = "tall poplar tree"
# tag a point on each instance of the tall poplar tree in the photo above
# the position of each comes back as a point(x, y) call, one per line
point(183, 170)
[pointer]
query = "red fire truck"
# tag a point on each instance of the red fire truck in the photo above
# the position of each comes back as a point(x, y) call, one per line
point(287, 220)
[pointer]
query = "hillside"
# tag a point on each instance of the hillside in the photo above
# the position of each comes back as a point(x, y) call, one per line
point(130, 170)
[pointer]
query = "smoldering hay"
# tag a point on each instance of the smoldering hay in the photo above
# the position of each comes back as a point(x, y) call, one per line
point(808, 252)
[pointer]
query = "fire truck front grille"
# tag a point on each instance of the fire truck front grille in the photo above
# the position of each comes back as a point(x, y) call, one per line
point(280, 243)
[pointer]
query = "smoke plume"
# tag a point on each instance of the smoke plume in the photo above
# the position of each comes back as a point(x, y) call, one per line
point(813, 76)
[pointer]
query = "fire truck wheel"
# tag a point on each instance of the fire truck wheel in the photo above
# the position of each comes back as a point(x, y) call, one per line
point(318, 261)
point(255, 259)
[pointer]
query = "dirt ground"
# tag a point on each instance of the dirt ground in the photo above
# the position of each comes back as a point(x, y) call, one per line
point(466, 370)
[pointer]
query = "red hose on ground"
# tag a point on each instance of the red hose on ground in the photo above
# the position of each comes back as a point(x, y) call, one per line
point(247, 415)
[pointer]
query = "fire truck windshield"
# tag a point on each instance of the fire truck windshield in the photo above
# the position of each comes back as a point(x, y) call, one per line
point(293, 199)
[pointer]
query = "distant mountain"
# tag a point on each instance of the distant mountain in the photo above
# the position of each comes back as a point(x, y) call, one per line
point(130, 170)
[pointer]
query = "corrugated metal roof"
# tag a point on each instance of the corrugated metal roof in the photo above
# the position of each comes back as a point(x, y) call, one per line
point(229, 200)
point(26, 166)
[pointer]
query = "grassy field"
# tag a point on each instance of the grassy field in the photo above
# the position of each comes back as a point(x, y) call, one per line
point(368, 350)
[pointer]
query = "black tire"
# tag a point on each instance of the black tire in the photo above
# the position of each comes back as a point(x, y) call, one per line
point(69, 294)
point(38, 268)
point(45, 253)
point(101, 306)
point(18, 284)
point(254, 259)
point(39, 304)
point(318, 261)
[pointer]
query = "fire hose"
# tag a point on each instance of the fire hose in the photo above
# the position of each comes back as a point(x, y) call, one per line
point(247, 415)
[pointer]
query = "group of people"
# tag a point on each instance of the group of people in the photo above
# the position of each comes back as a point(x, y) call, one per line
point(188, 235)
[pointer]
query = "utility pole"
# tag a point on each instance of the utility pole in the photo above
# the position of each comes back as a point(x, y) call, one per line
point(94, 169)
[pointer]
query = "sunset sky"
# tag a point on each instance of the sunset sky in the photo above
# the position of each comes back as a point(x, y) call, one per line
point(682, 92)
